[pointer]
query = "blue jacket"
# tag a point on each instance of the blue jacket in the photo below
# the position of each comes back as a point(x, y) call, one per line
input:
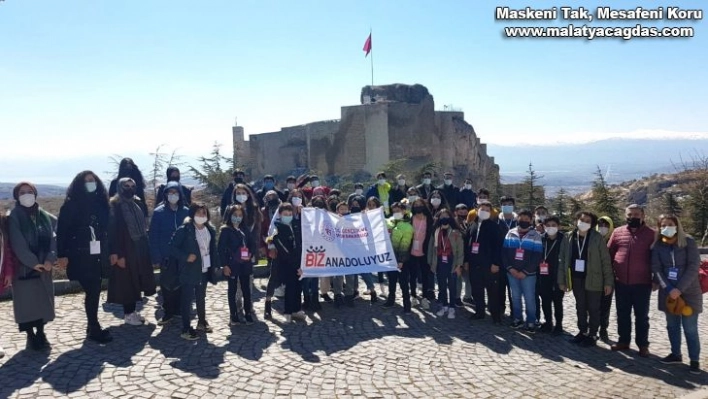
point(163, 225)
point(532, 244)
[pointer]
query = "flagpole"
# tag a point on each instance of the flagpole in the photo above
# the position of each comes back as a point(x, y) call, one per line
point(372, 60)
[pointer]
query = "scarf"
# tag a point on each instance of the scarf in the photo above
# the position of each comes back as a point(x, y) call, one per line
point(36, 227)
point(132, 214)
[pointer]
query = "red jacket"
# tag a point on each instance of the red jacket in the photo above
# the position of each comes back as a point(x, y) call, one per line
point(631, 254)
point(7, 269)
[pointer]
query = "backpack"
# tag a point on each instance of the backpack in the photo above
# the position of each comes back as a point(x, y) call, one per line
point(703, 276)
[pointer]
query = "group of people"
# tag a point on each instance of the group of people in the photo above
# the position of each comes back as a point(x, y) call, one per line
point(448, 236)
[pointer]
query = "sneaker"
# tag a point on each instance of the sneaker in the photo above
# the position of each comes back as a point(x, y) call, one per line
point(517, 324)
point(280, 291)
point(100, 336)
point(589, 342)
point(672, 359)
point(451, 313)
point(326, 298)
point(425, 303)
point(189, 335)
point(165, 320)
point(388, 304)
point(204, 327)
point(604, 336)
point(578, 338)
point(458, 303)
point(132, 319)
point(382, 288)
point(234, 321)
point(249, 319)
point(442, 311)
point(300, 315)
point(530, 329)
point(467, 301)
point(537, 324)
point(695, 367)
point(288, 319)
point(140, 317)
point(414, 301)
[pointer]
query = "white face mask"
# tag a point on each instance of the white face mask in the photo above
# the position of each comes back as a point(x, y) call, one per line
point(435, 201)
point(484, 215)
point(291, 186)
point(468, 186)
point(382, 182)
point(668, 231)
point(604, 230)
point(426, 181)
point(296, 201)
point(551, 231)
point(173, 198)
point(412, 198)
point(541, 218)
point(315, 183)
point(27, 200)
point(401, 182)
point(448, 182)
point(358, 191)
point(242, 199)
point(582, 226)
point(398, 215)
point(200, 220)
point(91, 186)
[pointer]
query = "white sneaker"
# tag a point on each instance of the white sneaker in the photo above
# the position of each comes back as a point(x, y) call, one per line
point(451, 313)
point(382, 288)
point(280, 291)
point(140, 317)
point(288, 318)
point(2, 352)
point(425, 303)
point(299, 315)
point(414, 302)
point(442, 311)
point(133, 320)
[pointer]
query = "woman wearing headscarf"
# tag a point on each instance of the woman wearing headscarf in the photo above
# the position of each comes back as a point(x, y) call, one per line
point(32, 239)
point(82, 239)
point(128, 168)
point(131, 273)
point(7, 263)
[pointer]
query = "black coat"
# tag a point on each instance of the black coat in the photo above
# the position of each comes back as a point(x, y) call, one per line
point(288, 243)
point(451, 194)
point(139, 192)
point(230, 243)
point(397, 193)
point(490, 245)
point(74, 237)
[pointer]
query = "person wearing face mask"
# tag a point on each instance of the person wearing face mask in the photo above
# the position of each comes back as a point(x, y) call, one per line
point(412, 195)
point(482, 196)
point(165, 221)
point(194, 246)
point(586, 269)
point(426, 186)
point(437, 202)
point(449, 190)
point(540, 216)
point(253, 221)
point(288, 243)
point(418, 266)
point(461, 219)
point(268, 186)
point(239, 177)
point(483, 259)
point(236, 247)
point(82, 239)
point(358, 190)
point(400, 191)
point(446, 256)
point(173, 176)
point(506, 220)
point(34, 245)
point(551, 296)
point(381, 190)
point(352, 280)
point(630, 249)
point(675, 263)
point(467, 196)
point(290, 185)
point(128, 168)
point(131, 274)
point(605, 226)
point(315, 184)
point(401, 231)
point(521, 256)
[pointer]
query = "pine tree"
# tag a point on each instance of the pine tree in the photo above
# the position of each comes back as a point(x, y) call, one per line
point(560, 207)
point(211, 171)
point(531, 191)
point(604, 198)
point(670, 204)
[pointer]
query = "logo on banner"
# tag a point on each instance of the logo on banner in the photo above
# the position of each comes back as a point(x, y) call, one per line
point(315, 257)
point(328, 231)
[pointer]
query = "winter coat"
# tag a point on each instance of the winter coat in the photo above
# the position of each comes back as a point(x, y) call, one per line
point(631, 254)
point(612, 227)
point(128, 285)
point(163, 225)
point(397, 194)
point(139, 192)
point(183, 244)
point(288, 244)
point(598, 267)
point(33, 243)
point(533, 251)
point(424, 190)
point(551, 255)
point(457, 243)
point(401, 237)
point(231, 241)
point(428, 233)
point(451, 194)
point(467, 197)
point(76, 218)
point(490, 245)
point(8, 262)
point(688, 262)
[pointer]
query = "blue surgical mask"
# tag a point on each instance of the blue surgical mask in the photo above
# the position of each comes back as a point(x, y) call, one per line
point(286, 219)
point(91, 186)
point(269, 184)
point(507, 209)
point(236, 220)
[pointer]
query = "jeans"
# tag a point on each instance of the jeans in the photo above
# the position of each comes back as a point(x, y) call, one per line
point(93, 295)
point(338, 285)
point(690, 330)
point(368, 280)
point(635, 297)
point(244, 280)
point(504, 292)
point(525, 288)
point(191, 292)
point(310, 286)
point(481, 279)
point(465, 278)
point(403, 279)
point(587, 304)
point(447, 282)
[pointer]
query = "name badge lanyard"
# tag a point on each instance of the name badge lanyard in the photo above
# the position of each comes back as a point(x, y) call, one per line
point(203, 246)
point(546, 250)
point(580, 249)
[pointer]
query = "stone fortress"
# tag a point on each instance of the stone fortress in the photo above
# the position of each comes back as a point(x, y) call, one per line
point(393, 122)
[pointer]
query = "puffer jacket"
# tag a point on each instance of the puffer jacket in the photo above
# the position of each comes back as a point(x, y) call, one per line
point(631, 254)
point(401, 237)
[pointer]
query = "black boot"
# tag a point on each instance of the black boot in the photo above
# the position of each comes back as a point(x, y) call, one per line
point(315, 304)
point(306, 303)
point(374, 297)
point(32, 342)
point(42, 338)
point(268, 310)
point(338, 301)
point(99, 335)
point(349, 300)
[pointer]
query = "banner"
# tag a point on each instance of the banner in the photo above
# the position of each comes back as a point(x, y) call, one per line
point(334, 245)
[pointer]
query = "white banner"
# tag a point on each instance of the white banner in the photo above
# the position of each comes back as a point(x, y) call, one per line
point(334, 245)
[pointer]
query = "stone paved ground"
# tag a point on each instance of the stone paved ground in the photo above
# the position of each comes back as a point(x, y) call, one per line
point(360, 352)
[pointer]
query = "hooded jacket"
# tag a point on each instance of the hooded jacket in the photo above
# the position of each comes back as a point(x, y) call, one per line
point(401, 237)
point(185, 192)
point(165, 221)
point(612, 227)
point(183, 244)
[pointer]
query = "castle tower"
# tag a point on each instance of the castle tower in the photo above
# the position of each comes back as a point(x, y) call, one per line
point(241, 153)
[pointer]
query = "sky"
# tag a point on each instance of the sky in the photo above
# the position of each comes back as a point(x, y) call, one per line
point(83, 79)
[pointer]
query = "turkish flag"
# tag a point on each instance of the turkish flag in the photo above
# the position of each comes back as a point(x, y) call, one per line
point(367, 45)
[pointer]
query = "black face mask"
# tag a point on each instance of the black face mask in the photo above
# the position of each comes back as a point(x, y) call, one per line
point(319, 205)
point(634, 222)
point(273, 202)
point(525, 225)
point(128, 192)
point(445, 221)
point(238, 179)
point(174, 178)
point(355, 209)
point(418, 209)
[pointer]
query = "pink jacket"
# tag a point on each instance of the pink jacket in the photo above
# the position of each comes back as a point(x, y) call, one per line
point(631, 254)
point(7, 265)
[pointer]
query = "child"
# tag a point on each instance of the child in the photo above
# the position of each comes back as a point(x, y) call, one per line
point(288, 244)
point(401, 239)
point(446, 256)
point(236, 249)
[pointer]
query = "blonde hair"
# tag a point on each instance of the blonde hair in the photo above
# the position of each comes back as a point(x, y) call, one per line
point(680, 234)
